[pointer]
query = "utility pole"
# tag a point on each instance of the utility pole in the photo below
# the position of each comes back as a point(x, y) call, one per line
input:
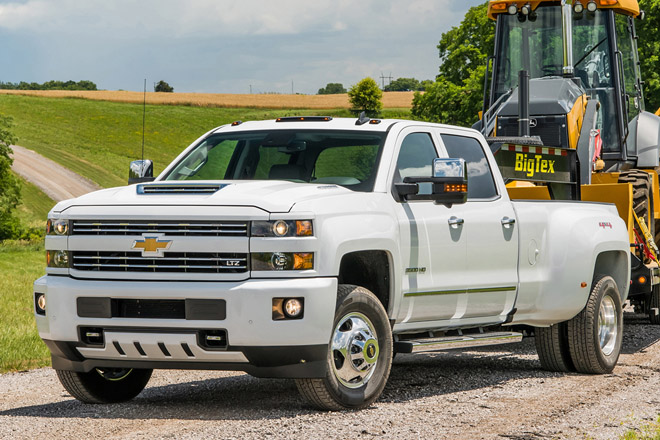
point(383, 78)
point(250, 89)
point(292, 87)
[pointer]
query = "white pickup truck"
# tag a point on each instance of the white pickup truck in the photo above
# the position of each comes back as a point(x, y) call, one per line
point(317, 248)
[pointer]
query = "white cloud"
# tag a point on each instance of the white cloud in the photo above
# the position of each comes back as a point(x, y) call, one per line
point(224, 45)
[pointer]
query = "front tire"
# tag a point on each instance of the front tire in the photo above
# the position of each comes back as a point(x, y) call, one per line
point(594, 336)
point(104, 385)
point(359, 354)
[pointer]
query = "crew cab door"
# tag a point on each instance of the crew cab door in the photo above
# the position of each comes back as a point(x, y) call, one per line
point(433, 246)
point(490, 232)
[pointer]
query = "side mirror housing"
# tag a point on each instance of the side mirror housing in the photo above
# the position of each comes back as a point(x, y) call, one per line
point(141, 171)
point(449, 183)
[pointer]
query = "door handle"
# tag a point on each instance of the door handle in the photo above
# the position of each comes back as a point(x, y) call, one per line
point(455, 221)
point(506, 221)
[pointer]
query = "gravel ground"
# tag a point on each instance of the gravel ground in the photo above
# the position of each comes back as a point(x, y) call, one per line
point(57, 182)
point(493, 393)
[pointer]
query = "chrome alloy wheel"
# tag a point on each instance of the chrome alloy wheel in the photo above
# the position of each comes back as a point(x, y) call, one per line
point(355, 350)
point(608, 328)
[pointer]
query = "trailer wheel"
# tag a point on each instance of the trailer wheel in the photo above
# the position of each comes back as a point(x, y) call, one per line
point(104, 385)
point(594, 335)
point(653, 307)
point(359, 354)
point(552, 348)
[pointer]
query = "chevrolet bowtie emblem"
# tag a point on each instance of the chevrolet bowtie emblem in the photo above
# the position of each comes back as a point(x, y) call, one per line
point(152, 246)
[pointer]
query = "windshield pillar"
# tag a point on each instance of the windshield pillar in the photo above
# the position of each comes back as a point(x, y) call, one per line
point(567, 36)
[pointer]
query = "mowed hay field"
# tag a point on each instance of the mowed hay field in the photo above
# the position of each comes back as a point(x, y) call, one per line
point(401, 100)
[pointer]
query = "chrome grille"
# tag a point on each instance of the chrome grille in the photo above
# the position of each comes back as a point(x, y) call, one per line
point(203, 229)
point(194, 262)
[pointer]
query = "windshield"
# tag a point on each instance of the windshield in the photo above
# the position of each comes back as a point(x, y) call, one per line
point(346, 158)
point(535, 44)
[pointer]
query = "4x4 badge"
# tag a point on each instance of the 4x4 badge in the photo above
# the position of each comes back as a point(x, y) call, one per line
point(152, 246)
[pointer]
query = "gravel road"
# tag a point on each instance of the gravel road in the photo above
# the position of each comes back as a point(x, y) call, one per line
point(57, 182)
point(493, 393)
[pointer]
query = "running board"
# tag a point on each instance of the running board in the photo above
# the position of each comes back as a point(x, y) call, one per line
point(451, 342)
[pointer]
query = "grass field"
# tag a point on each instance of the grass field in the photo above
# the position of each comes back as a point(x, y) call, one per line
point(274, 101)
point(20, 265)
point(20, 345)
point(98, 139)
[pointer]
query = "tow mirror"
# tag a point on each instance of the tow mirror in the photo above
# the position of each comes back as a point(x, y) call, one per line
point(141, 171)
point(449, 183)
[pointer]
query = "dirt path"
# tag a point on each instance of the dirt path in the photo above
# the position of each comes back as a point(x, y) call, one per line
point(497, 393)
point(57, 182)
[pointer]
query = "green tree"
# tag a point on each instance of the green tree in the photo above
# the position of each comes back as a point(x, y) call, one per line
point(162, 86)
point(450, 103)
point(457, 95)
point(365, 96)
point(403, 85)
point(10, 190)
point(332, 89)
point(649, 52)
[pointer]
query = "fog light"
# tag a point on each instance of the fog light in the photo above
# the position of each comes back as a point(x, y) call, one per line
point(293, 308)
point(512, 10)
point(591, 6)
point(578, 8)
point(40, 303)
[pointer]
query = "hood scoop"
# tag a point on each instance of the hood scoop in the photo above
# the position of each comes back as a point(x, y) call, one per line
point(180, 188)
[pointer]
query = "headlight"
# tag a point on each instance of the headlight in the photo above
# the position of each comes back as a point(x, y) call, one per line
point(58, 259)
point(282, 261)
point(282, 228)
point(57, 227)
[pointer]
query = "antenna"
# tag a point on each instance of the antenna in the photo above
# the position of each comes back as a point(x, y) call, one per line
point(144, 114)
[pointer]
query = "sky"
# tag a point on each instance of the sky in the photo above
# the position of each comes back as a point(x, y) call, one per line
point(223, 46)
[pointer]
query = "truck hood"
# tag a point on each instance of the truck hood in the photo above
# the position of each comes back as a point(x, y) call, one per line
point(269, 195)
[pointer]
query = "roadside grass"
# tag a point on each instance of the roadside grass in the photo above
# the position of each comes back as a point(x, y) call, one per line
point(20, 346)
point(648, 432)
point(98, 139)
point(34, 207)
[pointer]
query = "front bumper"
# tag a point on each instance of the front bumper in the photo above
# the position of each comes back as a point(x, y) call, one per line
point(254, 341)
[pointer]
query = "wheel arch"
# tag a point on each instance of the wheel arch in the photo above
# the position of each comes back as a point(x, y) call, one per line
point(371, 269)
point(615, 264)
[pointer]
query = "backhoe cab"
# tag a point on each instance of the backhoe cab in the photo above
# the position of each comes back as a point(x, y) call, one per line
point(578, 129)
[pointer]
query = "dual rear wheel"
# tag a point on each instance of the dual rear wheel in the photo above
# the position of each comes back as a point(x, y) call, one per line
point(590, 342)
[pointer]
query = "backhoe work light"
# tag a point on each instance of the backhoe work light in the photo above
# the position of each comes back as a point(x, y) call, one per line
point(526, 10)
point(512, 10)
point(578, 8)
point(591, 6)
